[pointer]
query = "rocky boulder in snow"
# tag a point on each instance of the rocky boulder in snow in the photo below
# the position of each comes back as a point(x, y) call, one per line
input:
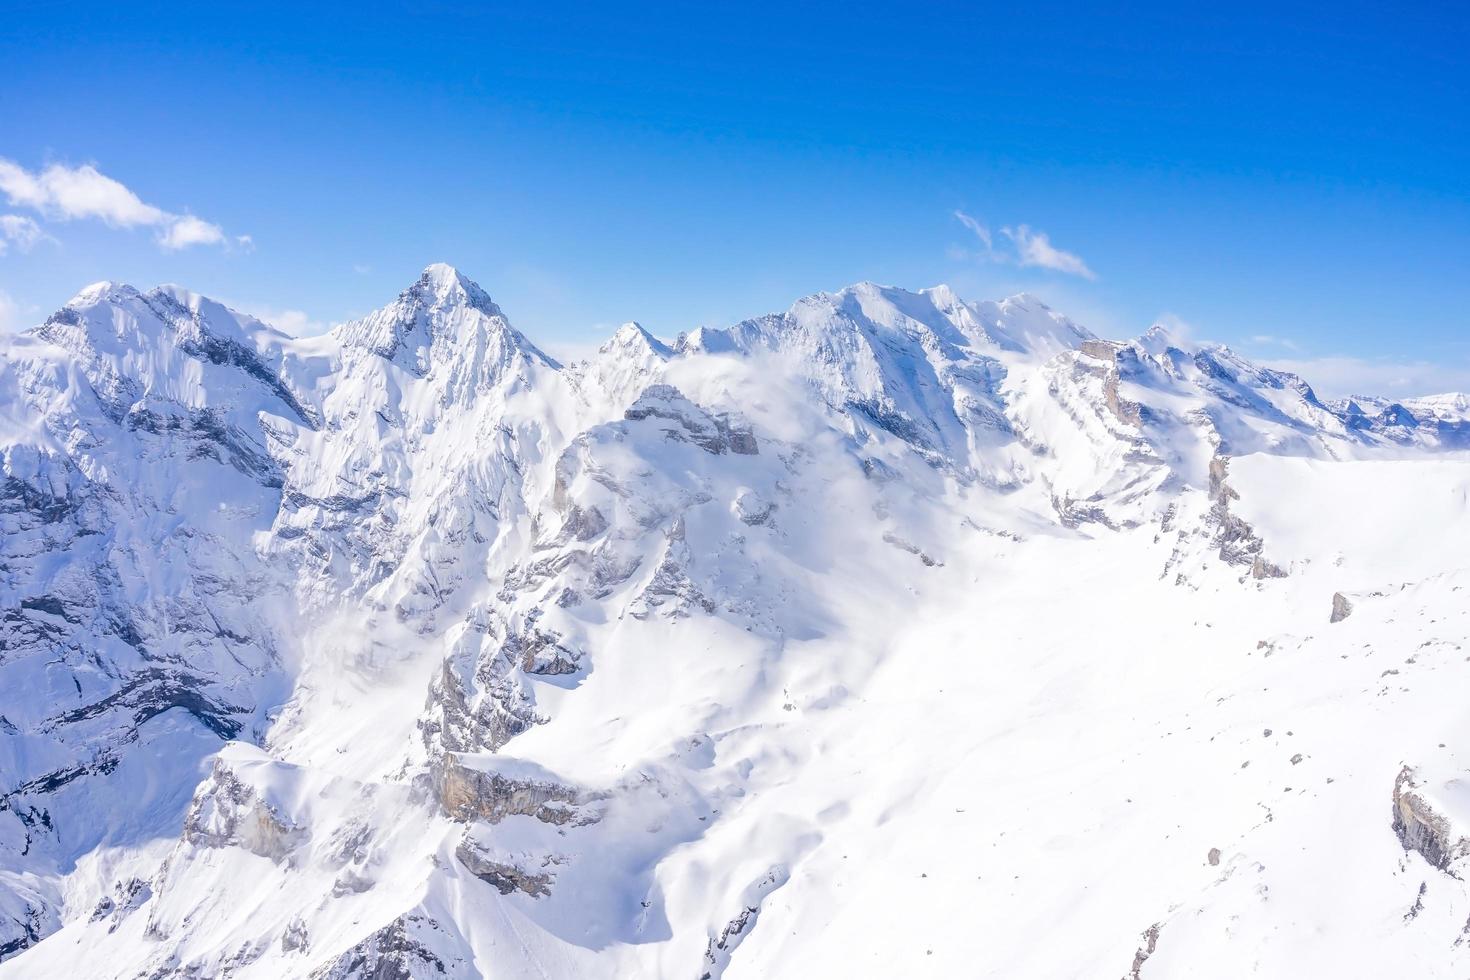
point(229, 812)
point(491, 788)
point(1432, 817)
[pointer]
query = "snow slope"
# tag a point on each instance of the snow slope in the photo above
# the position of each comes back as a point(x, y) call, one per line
point(890, 633)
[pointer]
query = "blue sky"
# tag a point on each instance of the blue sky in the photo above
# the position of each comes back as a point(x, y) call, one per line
point(1290, 179)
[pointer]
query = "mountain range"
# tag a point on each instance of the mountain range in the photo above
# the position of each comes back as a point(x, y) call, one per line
point(893, 632)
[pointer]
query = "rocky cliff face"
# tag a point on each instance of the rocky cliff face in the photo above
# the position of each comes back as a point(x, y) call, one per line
point(371, 653)
point(1430, 819)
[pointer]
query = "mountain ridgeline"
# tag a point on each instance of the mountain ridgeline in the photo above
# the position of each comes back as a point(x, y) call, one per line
point(408, 651)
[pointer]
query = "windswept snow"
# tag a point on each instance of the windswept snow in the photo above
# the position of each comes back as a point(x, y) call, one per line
point(892, 633)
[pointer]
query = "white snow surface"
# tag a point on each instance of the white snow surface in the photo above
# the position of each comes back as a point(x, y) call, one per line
point(890, 634)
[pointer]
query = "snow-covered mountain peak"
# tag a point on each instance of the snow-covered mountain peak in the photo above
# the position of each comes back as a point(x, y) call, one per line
point(943, 296)
point(443, 316)
point(632, 337)
point(442, 285)
point(1158, 339)
point(99, 291)
point(168, 343)
point(1023, 325)
point(115, 312)
point(630, 360)
point(1453, 405)
point(1023, 300)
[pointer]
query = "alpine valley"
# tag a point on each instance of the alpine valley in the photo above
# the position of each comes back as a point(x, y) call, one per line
point(892, 635)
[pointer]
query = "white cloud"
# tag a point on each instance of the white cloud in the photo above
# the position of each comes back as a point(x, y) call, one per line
point(62, 193)
point(1271, 340)
point(1181, 332)
point(1035, 249)
point(20, 231)
point(66, 193)
point(571, 351)
point(1340, 376)
point(1029, 248)
point(13, 316)
point(9, 312)
point(297, 323)
point(187, 230)
point(981, 232)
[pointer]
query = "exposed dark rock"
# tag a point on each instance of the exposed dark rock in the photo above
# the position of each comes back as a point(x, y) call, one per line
point(203, 433)
point(468, 793)
point(911, 548)
point(1423, 826)
point(715, 434)
point(18, 934)
point(1145, 950)
point(1237, 540)
point(1116, 359)
point(220, 350)
point(349, 882)
point(126, 897)
point(754, 510)
point(539, 651)
point(671, 589)
point(154, 691)
point(717, 950)
point(401, 950)
point(1262, 569)
point(500, 712)
point(227, 812)
point(506, 876)
point(1341, 608)
point(1418, 905)
point(296, 938)
point(582, 525)
point(894, 422)
point(1075, 513)
point(1102, 350)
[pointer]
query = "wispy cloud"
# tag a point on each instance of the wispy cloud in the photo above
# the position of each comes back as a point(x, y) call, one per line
point(1182, 333)
point(22, 232)
point(62, 193)
point(981, 232)
point(1336, 376)
point(1036, 249)
point(297, 323)
point(1028, 248)
point(1271, 340)
point(14, 316)
point(9, 312)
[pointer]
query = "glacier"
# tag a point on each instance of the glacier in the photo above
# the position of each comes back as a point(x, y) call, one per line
point(894, 632)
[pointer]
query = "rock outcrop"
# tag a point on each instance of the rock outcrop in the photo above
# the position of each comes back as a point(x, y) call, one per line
point(404, 949)
point(506, 874)
point(1427, 821)
point(228, 812)
point(491, 788)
